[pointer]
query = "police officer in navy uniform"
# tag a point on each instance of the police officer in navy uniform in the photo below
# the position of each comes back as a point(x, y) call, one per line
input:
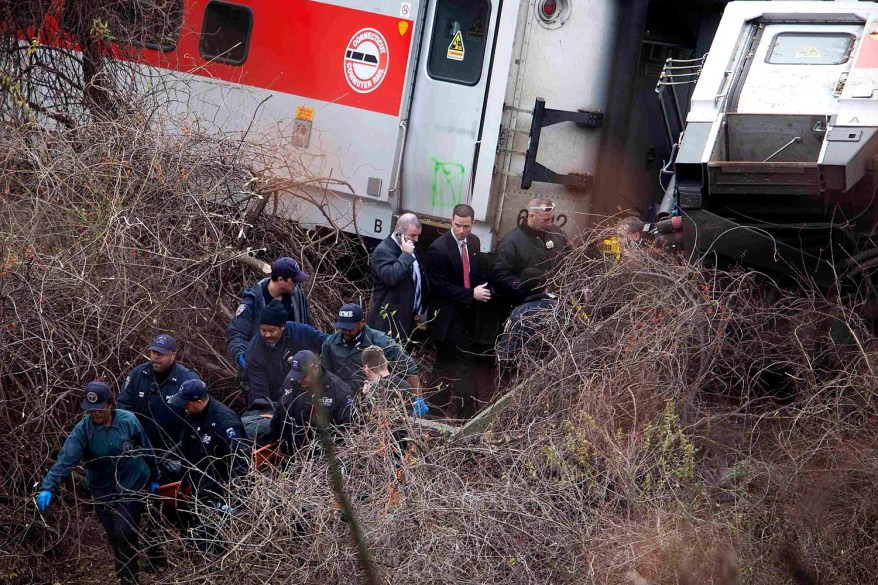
point(215, 451)
point(214, 443)
point(147, 391)
point(119, 469)
point(281, 285)
point(308, 385)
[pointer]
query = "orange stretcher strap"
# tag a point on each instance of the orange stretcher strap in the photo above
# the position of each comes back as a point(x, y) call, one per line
point(266, 454)
point(168, 490)
point(262, 456)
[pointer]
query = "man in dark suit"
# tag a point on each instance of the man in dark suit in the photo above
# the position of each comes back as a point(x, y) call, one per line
point(399, 282)
point(456, 284)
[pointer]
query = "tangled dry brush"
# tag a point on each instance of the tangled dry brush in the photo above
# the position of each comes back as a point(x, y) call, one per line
point(671, 424)
point(110, 234)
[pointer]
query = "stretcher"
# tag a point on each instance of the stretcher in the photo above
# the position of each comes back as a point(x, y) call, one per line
point(171, 492)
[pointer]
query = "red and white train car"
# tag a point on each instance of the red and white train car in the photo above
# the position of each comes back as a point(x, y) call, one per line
point(416, 105)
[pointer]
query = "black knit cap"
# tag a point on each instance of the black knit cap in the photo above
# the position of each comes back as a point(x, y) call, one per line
point(274, 313)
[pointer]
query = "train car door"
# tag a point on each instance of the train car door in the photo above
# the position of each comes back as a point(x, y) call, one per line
point(445, 123)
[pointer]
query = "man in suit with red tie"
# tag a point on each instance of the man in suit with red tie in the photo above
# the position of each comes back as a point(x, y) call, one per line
point(456, 284)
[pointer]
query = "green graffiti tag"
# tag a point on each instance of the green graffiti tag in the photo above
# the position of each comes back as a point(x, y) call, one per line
point(447, 183)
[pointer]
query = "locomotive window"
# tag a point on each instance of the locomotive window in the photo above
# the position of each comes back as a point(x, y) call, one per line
point(154, 24)
point(225, 34)
point(460, 35)
point(810, 48)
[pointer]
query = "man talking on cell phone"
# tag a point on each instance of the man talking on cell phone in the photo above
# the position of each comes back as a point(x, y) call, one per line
point(457, 286)
point(400, 285)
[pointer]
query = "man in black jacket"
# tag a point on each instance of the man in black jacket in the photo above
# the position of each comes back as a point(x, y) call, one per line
point(307, 388)
point(268, 360)
point(536, 243)
point(456, 284)
point(269, 352)
point(399, 283)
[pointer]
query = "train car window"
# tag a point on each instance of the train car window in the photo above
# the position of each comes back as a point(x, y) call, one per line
point(225, 34)
point(460, 36)
point(810, 48)
point(154, 24)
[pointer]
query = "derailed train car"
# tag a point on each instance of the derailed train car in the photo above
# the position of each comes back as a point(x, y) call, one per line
point(419, 105)
point(408, 106)
point(776, 166)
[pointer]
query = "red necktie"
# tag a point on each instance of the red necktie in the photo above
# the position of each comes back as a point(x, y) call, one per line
point(465, 258)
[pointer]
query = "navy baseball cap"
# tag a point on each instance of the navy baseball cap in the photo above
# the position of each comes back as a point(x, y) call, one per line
point(97, 395)
point(301, 364)
point(348, 316)
point(189, 391)
point(164, 344)
point(286, 267)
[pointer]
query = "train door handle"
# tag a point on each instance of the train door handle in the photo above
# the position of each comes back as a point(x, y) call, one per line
point(398, 169)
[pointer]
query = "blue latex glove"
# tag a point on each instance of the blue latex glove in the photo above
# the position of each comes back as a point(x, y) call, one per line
point(44, 498)
point(241, 361)
point(419, 407)
point(153, 487)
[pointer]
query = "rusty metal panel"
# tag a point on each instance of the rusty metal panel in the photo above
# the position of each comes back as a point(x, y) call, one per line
point(767, 178)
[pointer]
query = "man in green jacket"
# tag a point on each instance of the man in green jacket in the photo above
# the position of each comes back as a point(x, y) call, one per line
point(342, 352)
point(119, 469)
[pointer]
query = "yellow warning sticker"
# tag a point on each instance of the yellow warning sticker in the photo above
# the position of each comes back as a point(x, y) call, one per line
point(456, 49)
point(402, 26)
point(305, 113)
point(808, 53)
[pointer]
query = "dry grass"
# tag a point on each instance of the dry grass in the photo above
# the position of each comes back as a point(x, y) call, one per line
point(685, 424)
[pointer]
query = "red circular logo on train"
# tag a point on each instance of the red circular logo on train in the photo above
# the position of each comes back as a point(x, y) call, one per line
point(365, 61)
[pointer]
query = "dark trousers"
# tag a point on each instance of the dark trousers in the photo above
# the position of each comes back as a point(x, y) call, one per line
point(203, 523)
point(121, 521)
point(153, 533)
point(457, 366)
